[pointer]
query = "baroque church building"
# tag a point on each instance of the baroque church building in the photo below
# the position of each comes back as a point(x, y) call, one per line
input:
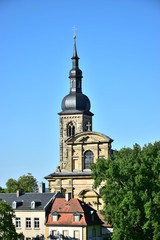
point(79, 144)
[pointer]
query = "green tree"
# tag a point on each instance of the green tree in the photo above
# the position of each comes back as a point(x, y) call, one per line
point(130, 187)
point(7, 228)
point(25, 183)
point(12, 186)
point(2, 190)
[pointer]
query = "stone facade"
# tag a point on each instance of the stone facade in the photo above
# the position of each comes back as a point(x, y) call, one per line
point(79, 144)
point(75, 178)
point(77, 121)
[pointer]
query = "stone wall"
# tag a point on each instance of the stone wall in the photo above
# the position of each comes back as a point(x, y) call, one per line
point(80, 122)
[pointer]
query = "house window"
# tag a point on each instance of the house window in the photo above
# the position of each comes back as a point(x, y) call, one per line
point(33, 204)
point(65, 234)
point(54, 233)
point(70, 129)
point(55, 216)
point(36, 223)
point(14, 205)
point(28, 222)
point(77, 217)
point(88, 159)
point(76, 235)
point(18, 223)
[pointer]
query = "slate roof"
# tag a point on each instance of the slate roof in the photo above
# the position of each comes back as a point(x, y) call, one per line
point(66, 211)
point(26, 198)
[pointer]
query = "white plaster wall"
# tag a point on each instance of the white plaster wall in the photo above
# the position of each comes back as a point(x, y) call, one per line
point(31, 214)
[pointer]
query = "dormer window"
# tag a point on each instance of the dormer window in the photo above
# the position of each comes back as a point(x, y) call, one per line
point(17, 204)
point(55, 216)
point(14, 205)
point(34, 204)
point(77, 217)
point(92, 216)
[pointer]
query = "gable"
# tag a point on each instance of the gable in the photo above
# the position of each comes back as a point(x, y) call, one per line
point(89, 137)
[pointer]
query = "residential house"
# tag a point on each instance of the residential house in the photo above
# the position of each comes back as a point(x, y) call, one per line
point(31, 210)
point(72, 219)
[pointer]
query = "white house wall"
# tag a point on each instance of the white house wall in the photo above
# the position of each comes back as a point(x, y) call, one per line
point(32, 232)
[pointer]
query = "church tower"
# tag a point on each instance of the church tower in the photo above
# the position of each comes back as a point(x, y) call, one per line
point(75, 116)
point(80, 146)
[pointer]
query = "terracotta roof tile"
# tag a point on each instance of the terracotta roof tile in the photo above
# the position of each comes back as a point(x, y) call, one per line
point(61, 205)
point(67, 219)
point(67, 209)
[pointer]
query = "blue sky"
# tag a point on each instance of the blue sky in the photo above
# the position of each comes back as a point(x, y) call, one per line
point(118, 43)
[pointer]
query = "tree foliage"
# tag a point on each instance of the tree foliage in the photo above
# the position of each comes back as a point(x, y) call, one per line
point(130, 188)
point(7, 228)
point(2, 190)
point(25, 183)
point(12, 185)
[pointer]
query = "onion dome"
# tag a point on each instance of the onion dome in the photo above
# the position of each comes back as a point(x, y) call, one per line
point(75, 101)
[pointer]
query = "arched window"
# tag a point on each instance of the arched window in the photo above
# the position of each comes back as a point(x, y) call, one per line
point(70, 129)
point(88, 159)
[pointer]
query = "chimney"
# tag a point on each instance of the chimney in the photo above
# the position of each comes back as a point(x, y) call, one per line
point(41, 187)
point(67, 196)
point(18, 193)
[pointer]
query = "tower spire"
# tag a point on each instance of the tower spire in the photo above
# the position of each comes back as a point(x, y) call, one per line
point(75, 55)
point(75, 73)
point(75, 58)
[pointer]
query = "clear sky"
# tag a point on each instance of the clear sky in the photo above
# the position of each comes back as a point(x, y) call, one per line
point(118, 43)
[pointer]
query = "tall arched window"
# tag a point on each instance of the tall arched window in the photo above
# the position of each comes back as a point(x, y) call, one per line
point(88, 159)
point(70, 129)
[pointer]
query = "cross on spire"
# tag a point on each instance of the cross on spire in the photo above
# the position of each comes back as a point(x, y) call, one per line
point(74, 31)
point(89, 126)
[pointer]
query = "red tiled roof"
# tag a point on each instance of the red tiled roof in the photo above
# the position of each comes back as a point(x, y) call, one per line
point(62, 206)
point(66, 220)
point(66, 211)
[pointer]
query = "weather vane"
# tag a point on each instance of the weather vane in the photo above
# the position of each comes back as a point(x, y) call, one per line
point(74, 31)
